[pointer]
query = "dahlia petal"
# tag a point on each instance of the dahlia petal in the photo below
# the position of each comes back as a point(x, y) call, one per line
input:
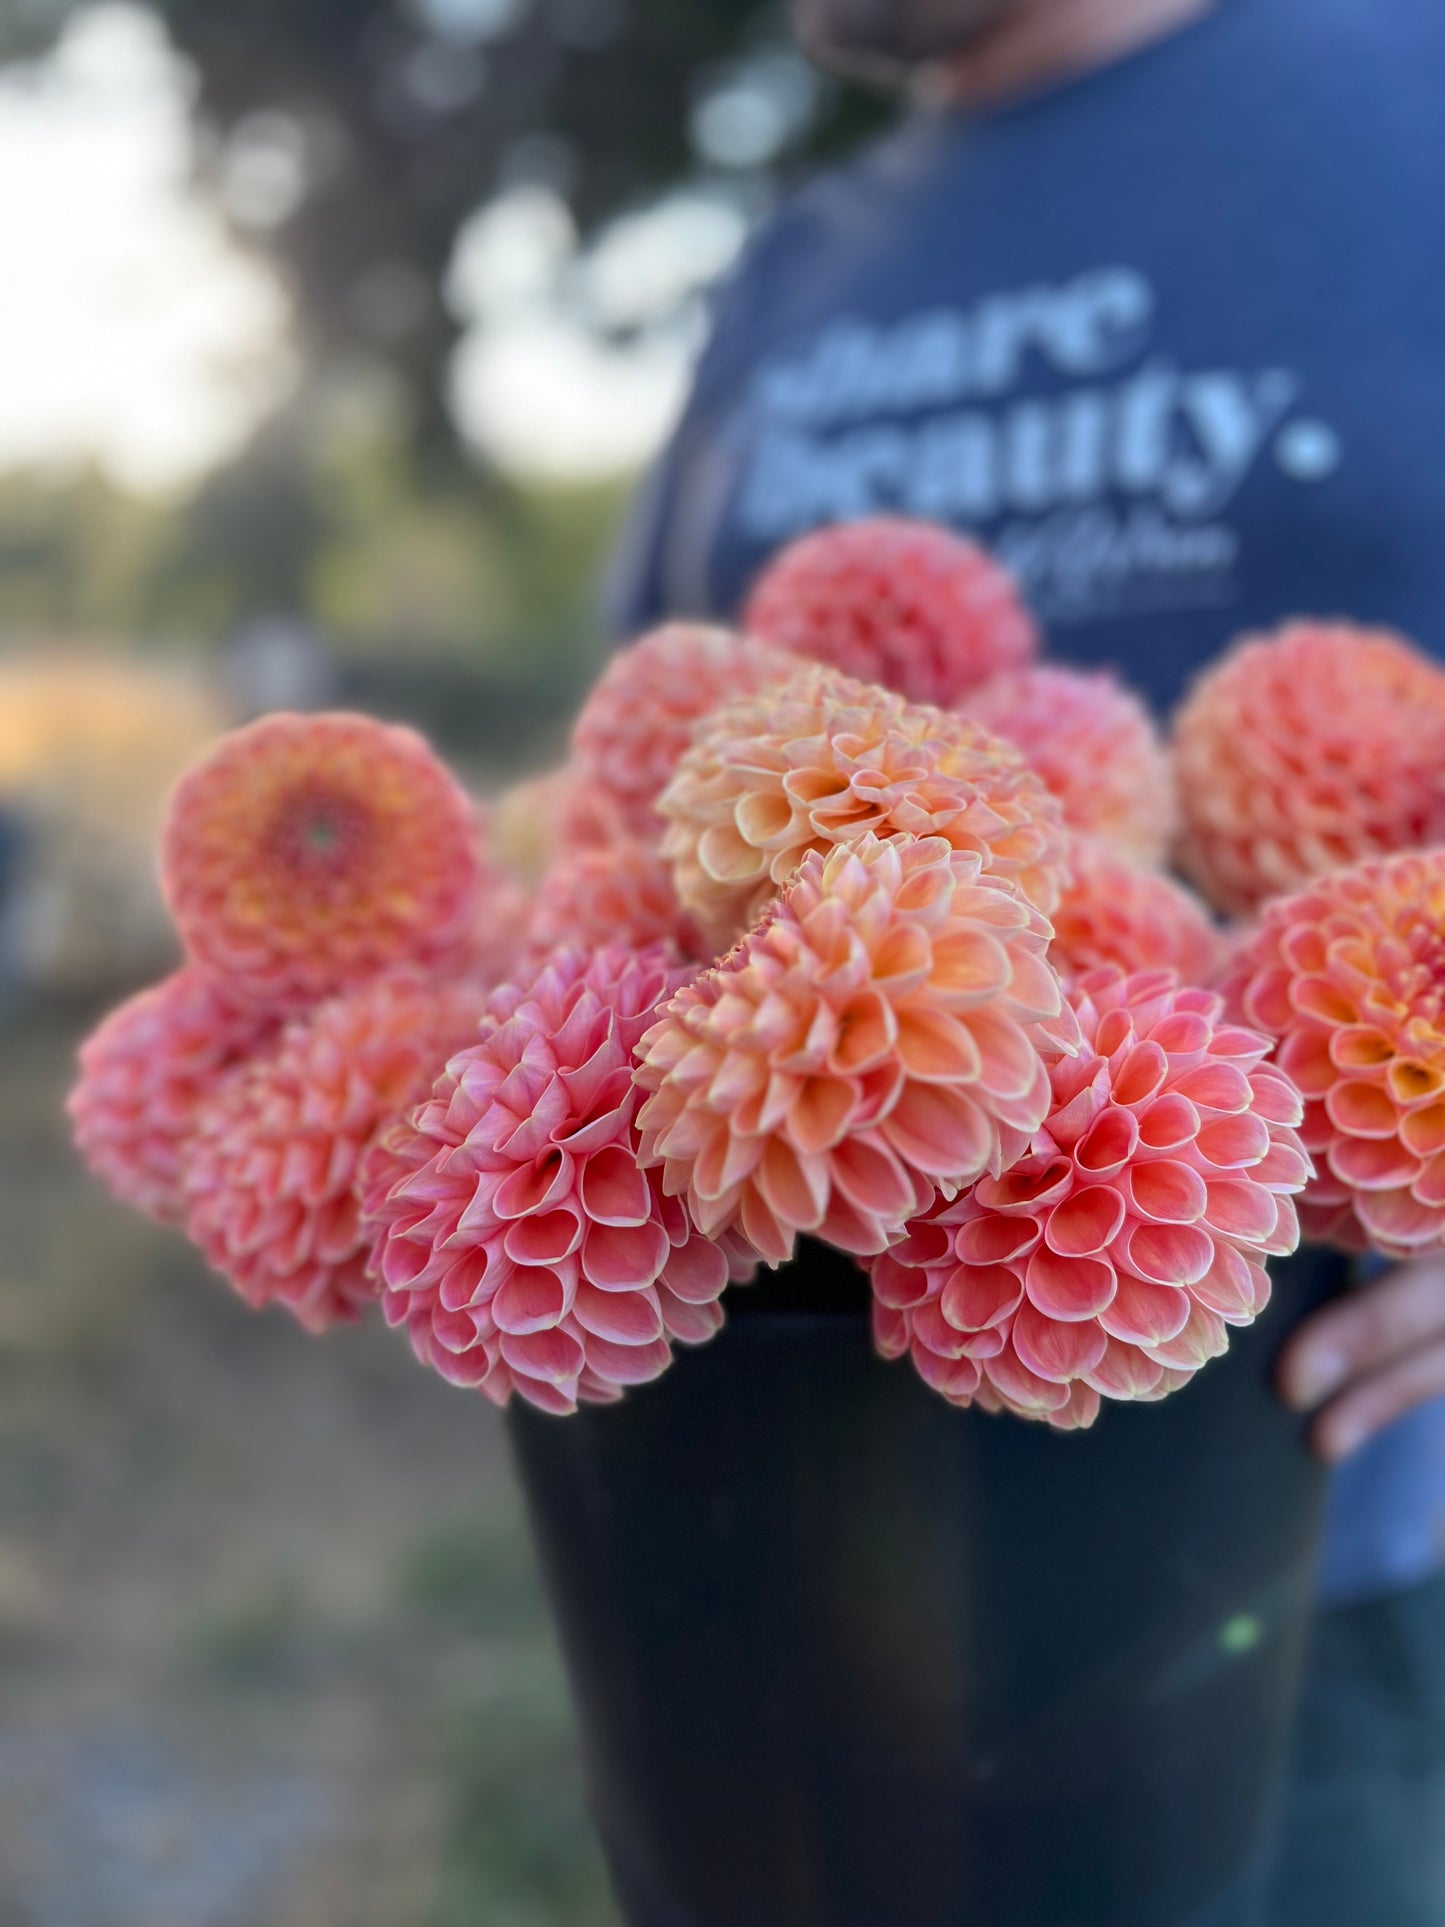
point(612, 1191)
point(623, 1317)
point(1367, 1164)
point(1053, 1349)
point(1087, 1222)
point(1142, 1313)
point(1070, 1289)
point(624, 1258)
point(976, 1297)
point(529, 1301)
point(1166, 1192)
point(553, 1356)
point(1173, 1255)
point(689, 1322)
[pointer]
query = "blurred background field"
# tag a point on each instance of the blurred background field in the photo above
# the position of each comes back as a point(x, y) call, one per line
point(332, 338)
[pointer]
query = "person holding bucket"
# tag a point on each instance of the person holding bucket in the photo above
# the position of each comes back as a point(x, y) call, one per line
point(1211, 231)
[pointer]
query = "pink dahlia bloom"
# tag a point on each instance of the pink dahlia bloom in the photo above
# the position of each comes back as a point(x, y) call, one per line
point(274, 1170)
point(1111, 1260)
point(519, 1242)
point(879, 1037)
point(914, 607)
point(640, 717)
point(1114, 913)
point(1349, 978)
point(307, 853)
point(621, 894)
point(145, 1073)
point(1306, 751)
point(1095, 745)
point(821, 760)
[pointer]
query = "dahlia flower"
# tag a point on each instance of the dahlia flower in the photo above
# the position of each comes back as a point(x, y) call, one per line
point(877, 1038)
point(1112, 912)
point(640, 716)
point(1349, 977)
point(621, 894)
point(1303, 752)
point(307, 853)
point(822, 759)
point(1095, 746)
point(144, 1074)
point(914, 607)
point(1111, 1260)
point(519, 1242)
point(273, 1174)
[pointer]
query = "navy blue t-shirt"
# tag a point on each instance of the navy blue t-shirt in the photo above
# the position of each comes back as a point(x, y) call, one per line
point(1171, 339)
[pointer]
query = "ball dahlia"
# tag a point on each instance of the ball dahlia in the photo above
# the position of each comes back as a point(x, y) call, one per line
point(520, 1244)
point(640, 716)
point(1349, 977)
point(307, 853)
point(272, 1179)
point(621, 894)
point(1303, 752)
point(1114, 913)
point(144, 1074)
point(1095, 745)
point(1111, 1260)
point(878, 1037)
point(821, 760)
point(906, 604)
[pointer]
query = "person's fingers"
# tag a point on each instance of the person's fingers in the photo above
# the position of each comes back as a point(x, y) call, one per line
point(1368, 1406)
point(1385, 1320)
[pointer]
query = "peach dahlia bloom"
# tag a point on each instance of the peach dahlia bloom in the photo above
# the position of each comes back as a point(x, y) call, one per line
point(1305, 751)
point(145, 1071)
point(273, 1174)
point(906, 604)
point(1114, 913)
point(1349, 977)
point(640, 717)
point(307, 853)
point(821, 760)
point(1095, 745)
point(1111, 1260)
point(519, 1243)
point(879, 1037)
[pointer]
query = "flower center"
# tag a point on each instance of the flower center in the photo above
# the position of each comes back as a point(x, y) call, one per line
point(320, 836)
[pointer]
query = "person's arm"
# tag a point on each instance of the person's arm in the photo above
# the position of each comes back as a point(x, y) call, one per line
point(1369, 1358)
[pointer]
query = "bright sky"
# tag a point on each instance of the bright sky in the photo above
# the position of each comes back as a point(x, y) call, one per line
point(131, 330)
point(135, 332)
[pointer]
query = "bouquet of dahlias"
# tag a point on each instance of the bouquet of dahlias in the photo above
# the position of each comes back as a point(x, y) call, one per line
point(851, 927)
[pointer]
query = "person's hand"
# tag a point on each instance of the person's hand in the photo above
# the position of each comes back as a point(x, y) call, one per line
point(1370, 1357)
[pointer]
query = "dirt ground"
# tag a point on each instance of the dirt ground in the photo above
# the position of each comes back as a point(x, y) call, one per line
point(271, 1648)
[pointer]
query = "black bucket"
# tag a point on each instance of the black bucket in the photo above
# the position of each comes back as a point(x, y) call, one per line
point(844, 1656)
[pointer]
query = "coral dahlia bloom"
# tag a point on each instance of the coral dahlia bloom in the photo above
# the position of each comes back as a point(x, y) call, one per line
point(906, 604)
point(621, 894)
point(519, 1242)
point(1095, 745)
point(640, 716)
point(144, 1074)
point(307, 853)
point(822, 760)
point(1349, 976)
point(1305, 751)
point(877, 1038)
point(273, 1174)
point(1111, 1260)
point(1112, 912)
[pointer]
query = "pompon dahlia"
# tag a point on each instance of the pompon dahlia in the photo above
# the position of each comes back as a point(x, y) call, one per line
point(878, 1037)
point(1095, 745)
point(1111, 1260)
point(307, 853)
point(622, 894)
point(1349, 977)
point(144, 1074)
point(273, 1175)
point(821, 760)
point(640, 716)
point(519, 1242)
point(906, 604)
point(1305, 751)
point(1114, 913)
